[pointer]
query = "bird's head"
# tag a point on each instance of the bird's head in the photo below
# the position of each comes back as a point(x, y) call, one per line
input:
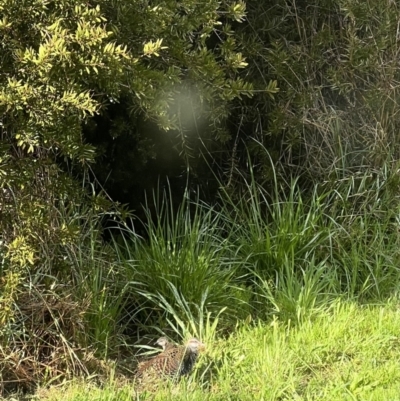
point(162, 342)
point(195, 345)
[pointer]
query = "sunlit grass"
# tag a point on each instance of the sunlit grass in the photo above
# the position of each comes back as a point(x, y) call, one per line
point(346, 352)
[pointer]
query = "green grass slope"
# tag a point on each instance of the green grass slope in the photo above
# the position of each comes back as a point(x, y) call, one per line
point(345, 352)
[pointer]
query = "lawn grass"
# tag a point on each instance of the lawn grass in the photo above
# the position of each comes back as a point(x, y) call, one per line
point(344, 352)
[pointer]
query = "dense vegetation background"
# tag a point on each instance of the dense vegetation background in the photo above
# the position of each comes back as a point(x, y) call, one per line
point(178, 167)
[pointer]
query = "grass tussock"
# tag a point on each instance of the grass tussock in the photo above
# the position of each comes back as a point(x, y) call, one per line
point(183, 272)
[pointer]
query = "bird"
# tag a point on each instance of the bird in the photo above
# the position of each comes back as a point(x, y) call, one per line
point(163, 342)
point(174, 361)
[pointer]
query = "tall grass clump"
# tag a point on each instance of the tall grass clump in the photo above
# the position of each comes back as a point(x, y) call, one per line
point(181, 269)
point(283, 240)
point(99, 283)
point(366, 251)
point(305, 248)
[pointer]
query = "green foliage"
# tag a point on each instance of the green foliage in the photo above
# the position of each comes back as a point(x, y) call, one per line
point(184, 79)
point(51, 71)
point(284, 241)
point(171, 43)
point(203, 271)
point(184, 270)
point(302, 251)
point(297, 294)
point(366, 247)
point(60, 317)
point(285, 252)
point(273, 232)
point(67, 64)
point(98, 284)
point(63, 63)
point(335, 63)
point(262, 254)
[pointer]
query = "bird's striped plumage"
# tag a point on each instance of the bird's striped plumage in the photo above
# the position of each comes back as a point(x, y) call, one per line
point(175, 361)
